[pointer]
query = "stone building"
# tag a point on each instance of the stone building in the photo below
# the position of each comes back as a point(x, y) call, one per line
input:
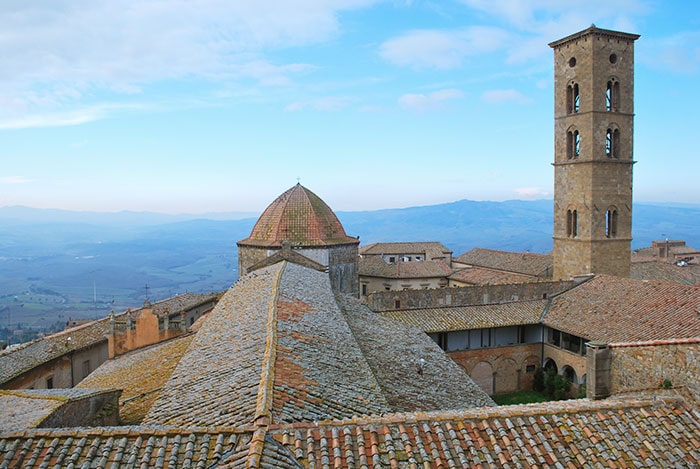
point(593, 113)
point(402, 266)
point(302, 220)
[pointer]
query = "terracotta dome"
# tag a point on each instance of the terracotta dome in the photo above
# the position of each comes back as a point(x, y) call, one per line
point(300, 217)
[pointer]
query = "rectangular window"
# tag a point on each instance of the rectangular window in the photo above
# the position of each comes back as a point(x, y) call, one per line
point(49, 382)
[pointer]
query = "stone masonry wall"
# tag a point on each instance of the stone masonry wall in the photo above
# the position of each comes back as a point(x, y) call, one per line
point(465, 296)
point(645, 365)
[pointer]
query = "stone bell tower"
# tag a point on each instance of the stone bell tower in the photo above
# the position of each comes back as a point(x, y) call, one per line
point(593, 129)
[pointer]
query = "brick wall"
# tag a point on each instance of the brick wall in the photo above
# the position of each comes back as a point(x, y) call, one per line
point(500, 369)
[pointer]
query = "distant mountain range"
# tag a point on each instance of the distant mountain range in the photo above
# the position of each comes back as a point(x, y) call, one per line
point(119, 258)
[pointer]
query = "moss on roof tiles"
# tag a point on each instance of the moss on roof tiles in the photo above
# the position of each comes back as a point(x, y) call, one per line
point(301, 217)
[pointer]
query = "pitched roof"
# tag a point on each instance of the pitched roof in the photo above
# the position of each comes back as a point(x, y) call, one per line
point(646, 268)
point(281, 347)
point(460, 318)
point(614, 309)
point(627, 432)
point(521, 262)
point(141, 374)
point(486, 276)
point(16, 361)
point(30, 408)
point(300, 217)
point(375, 266)
point(437, 249)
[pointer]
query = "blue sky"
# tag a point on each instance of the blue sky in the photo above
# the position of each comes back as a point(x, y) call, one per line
point(184, 106)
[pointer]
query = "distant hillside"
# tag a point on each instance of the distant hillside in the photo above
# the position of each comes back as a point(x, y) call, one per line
point(81, 264)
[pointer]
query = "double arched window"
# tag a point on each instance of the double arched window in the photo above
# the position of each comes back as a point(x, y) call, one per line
point(612, 142)
point(573, 144)
point(612, 95)
point(573, 99)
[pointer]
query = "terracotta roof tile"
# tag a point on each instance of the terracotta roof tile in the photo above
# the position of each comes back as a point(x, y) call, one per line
point(521, 262)
point(458, 318)
point(300, 217)
point(628, 433)
point(485, 276)
point(141, 374)
point(432, 248)
point(18, 360)
point(615, 309)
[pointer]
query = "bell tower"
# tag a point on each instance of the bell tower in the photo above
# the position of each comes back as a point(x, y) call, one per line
point(593, 129)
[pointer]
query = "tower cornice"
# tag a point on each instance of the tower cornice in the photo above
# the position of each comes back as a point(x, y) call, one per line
point(593, 30)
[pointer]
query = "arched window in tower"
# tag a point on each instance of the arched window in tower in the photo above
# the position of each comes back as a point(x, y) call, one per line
point(573, 99)
point(612, 95)
point(611, 223)
point(612, 143)
point(571, 223)
point(573, 144)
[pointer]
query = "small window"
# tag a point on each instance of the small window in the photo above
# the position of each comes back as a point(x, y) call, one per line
point(612, 143)
point(364, 289)
point(613, 58)
point(612, 95)
point(571, 223)
point(397, 304)
point(611, 223)
point(573, 99)
point(530, 368)
point(573, 144)
point(49, 382)
point(572, 62)
point(392, 260)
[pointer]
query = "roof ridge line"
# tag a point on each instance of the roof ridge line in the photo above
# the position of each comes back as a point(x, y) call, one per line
point(263, 403)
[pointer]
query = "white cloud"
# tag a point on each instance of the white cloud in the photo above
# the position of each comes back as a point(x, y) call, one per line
point(502, 96)
point(423, 102)
point(441, 49)
point(56, 50)
point(14, 180)
point(531, 192)
point(62, 118)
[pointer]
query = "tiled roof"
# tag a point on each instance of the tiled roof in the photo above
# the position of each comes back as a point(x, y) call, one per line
point(375, 266)
point(377, 249)
point(280, 347)
point(645, 268)
point(614, 309)
point(141, 375)
point(642, 433)
point(394, 353)
point(28, 408)
point(629, 432)
point(485, 276)
point(216, 381)
point(521, 262)
point(300, 217)
point(18, 360)
point(459, 318)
